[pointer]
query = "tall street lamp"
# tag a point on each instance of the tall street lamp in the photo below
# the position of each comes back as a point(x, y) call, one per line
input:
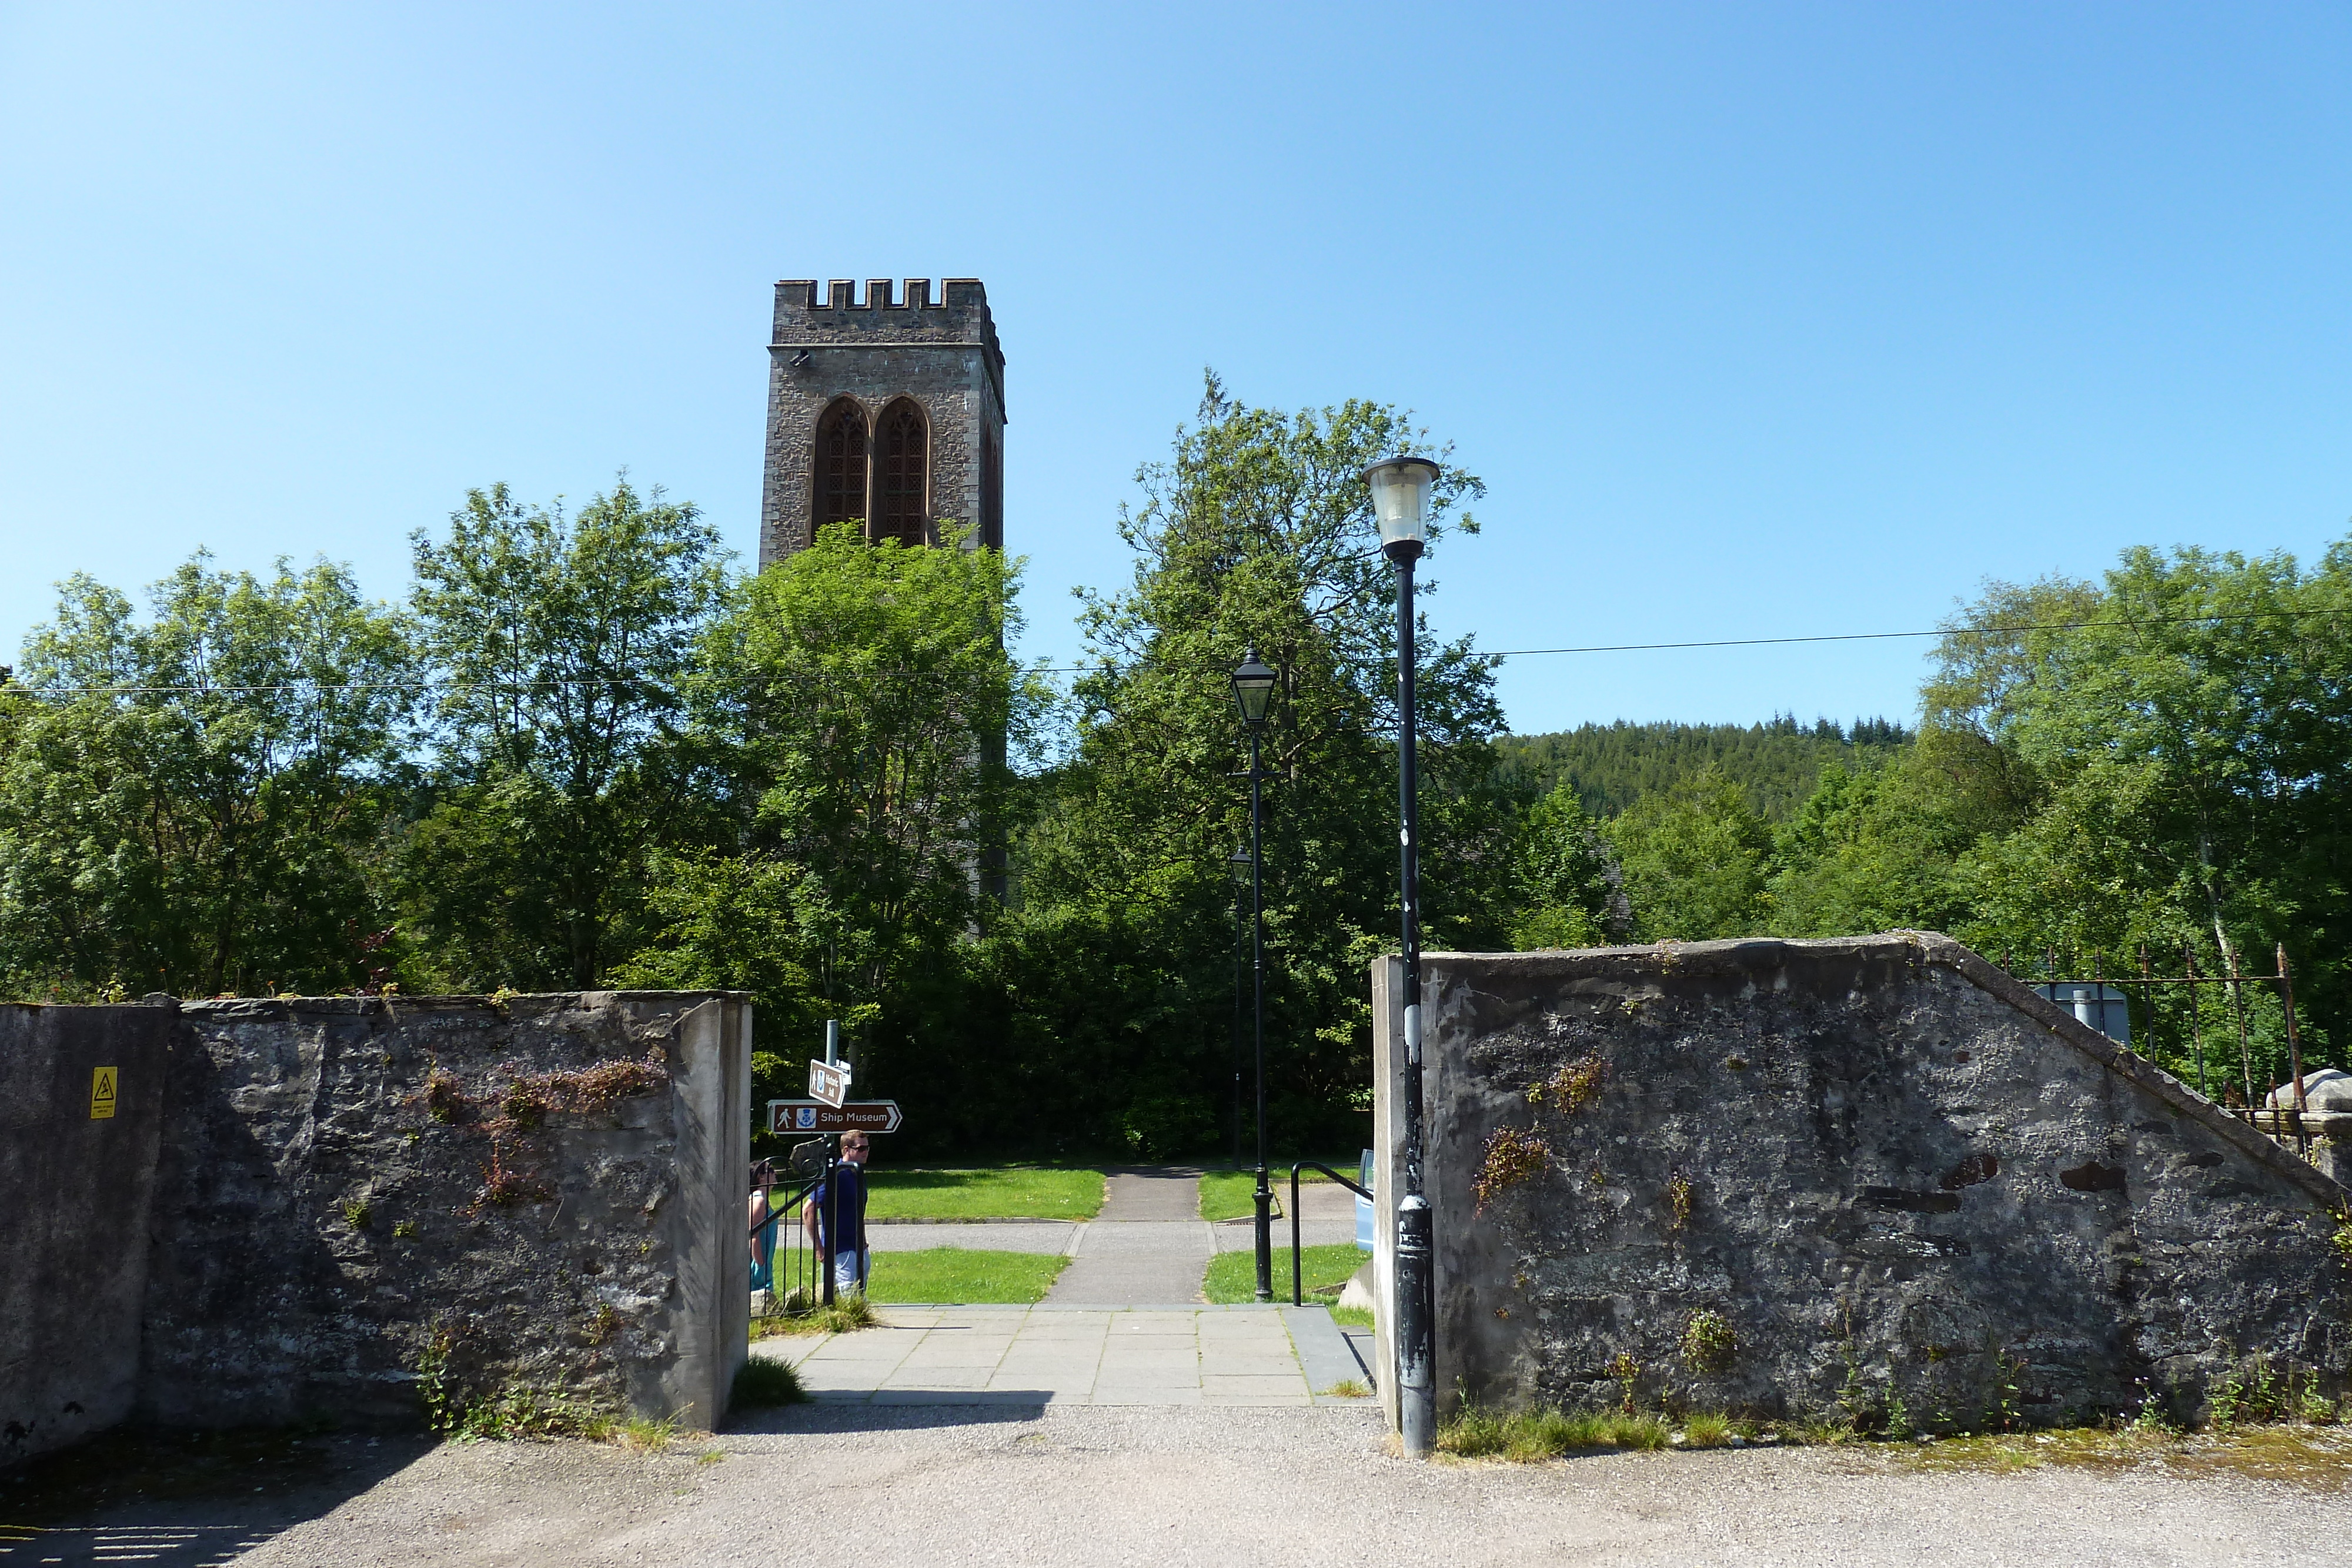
point(1243, 864)
point(1400, 487)
point(1253, 693)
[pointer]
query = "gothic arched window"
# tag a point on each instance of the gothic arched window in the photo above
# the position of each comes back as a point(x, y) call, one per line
point(840, 464)
point(992, 493)
point(902, 475)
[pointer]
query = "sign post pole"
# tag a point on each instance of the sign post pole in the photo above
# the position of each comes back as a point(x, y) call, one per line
point(832, 1185)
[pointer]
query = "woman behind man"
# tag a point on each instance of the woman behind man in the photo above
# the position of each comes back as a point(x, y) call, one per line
point(763, 1235)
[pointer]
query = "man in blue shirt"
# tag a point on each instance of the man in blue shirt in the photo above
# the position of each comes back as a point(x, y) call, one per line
point(852, 1261)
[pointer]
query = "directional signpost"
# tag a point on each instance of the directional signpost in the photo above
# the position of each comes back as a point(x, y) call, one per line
point(828, 1082)
point(805, 1118)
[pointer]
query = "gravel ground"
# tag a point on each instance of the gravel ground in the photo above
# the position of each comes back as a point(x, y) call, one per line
point(1093, 1486)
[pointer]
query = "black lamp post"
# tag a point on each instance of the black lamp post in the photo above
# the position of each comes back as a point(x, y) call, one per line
point(1400, 487)
point(1253, 693)
point(1244, 864)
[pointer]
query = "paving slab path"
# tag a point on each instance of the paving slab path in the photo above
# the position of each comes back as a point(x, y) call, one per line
point(1148, 1247)
point(1014, 1356)
point(1125, 1325)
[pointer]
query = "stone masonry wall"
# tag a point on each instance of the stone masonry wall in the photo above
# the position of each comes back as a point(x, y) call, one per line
point(546, 1189)
point(1900, 1174)
point(343, 1179)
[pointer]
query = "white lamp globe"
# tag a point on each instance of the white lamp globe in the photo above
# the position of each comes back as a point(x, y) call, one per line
point(1400, 487)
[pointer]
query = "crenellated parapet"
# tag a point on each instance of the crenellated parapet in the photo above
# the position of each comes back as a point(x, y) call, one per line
point(881, 315)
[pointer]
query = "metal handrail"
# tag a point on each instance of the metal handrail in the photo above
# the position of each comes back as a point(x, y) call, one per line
point(777, 1211)
point(787, 1250)
point(1297, 1297)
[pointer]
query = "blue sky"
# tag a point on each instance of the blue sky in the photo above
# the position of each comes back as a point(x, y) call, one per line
point(1757, 320)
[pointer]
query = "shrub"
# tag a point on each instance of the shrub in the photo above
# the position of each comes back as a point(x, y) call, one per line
point(1160, 1127)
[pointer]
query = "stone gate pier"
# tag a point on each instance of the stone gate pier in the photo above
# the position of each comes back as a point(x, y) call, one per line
point(1873, 1176)
point(338, 1205)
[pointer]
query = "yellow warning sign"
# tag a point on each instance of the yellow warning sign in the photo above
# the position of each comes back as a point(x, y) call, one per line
point(101, 1093)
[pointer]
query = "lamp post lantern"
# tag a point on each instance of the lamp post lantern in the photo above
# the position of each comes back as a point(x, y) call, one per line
point(1254, 685)
point(1400, 489)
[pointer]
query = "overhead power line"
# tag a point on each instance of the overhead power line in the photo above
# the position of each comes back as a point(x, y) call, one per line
point(543, 684)
point(1884, 636)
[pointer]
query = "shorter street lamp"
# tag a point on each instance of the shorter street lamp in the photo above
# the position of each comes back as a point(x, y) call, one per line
point(1254, 685)
point(1400, 489)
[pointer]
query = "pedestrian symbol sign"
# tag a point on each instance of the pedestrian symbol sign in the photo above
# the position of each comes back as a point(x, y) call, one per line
point(101, 1093)
point(788, 1116)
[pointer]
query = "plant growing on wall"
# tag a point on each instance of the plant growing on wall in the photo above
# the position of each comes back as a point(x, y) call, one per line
point(1625, 1372)
point(1708, 1341)
point(1680, 1196)
point(519, 1105)
point(1512, 1156)
point(1576, 1085)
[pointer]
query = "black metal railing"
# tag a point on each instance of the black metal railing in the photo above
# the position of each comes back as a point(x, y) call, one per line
point(1297, 1296)
point(2176, 1020)
point(797, 1276)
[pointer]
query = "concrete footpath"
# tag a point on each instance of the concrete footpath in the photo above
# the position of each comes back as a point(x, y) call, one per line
point(1030, 1356)
point(1125, 1325)
point(1148, 1247)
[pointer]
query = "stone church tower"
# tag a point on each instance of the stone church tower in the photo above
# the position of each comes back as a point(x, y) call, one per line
point(888, 412)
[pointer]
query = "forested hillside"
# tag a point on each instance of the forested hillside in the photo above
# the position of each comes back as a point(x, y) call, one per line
point(1776, 765)
point(2158, 760)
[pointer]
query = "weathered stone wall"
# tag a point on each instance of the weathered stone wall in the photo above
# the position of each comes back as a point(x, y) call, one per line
point(942, 354)
point(74, 1190)
point(546, 1189)
point(1906, 1177)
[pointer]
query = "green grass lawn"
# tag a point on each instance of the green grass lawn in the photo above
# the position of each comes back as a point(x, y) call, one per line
point(1232, 1276)
point(1009, 1192)
point(1226, 1195)
point(964, 1274)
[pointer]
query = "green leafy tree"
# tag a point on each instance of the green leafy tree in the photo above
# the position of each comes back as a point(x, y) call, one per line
point(1611, 765)
point(2182, 752)
point(1571, 889)
point(1696, 861)
point(561, 645)
point(1880, 848)
point(194, 802)
point(1256, 533)
point(859, 701)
